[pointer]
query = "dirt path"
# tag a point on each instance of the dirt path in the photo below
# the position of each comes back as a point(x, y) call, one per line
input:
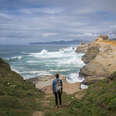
point(38, 113)
point(48, 102)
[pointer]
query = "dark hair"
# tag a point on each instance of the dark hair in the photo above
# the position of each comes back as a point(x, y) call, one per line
point(57, 75)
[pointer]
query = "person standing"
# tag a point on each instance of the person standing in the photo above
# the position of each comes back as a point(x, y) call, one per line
point(57, 87)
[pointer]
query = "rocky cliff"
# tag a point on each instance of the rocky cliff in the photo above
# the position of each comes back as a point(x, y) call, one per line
point(82, 48)
point(100, 59)
point(20, 98)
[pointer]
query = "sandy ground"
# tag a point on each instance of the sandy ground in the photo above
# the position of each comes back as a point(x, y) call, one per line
point(67, 88)
point(45, 84)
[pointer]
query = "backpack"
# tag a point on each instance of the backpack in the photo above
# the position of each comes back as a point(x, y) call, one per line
point(58, 86)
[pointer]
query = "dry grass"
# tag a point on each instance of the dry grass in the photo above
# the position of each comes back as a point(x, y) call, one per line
point(110, 42)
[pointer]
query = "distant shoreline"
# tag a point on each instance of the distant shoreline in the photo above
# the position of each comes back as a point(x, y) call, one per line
point(59, 42)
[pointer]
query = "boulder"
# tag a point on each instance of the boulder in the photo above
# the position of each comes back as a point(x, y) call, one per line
point(93, 69)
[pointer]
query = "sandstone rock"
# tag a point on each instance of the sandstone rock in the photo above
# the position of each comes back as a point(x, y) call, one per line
point(102, 37)
point(101, 61)
point(82, 48)
point(92, 79)
point(44, 81)
point(91, 54)
point(93, 69)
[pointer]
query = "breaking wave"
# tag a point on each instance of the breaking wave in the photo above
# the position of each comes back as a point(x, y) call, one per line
point(62, 57)
point(46, 62)
point(15, 58)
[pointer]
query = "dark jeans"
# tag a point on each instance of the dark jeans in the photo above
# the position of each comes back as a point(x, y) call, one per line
point(58, 95)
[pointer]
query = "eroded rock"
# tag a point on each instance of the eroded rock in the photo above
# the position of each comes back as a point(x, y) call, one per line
point(100, 60)
point(82, 48)
point(91, 54)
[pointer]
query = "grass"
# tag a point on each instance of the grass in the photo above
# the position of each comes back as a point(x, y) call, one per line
point(99, 100)
point(20, 98)
point(17, 96)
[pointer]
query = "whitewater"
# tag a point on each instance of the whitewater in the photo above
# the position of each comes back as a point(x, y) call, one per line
point(47, 61)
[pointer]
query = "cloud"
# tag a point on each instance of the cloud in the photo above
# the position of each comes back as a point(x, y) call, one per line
point(41, 10)
point(27, 21)
point(48, 34)
point(5, 16)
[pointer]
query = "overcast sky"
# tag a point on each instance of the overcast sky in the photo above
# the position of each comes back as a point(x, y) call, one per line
point(24, 21)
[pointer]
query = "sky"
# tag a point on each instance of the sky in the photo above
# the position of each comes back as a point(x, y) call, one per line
point(25, 21)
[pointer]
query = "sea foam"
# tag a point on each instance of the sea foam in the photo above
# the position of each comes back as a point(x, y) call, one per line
point(15, 58)
point(64, 61)
point(74, 77)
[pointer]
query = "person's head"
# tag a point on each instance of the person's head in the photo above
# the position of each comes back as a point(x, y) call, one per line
point(57, 76)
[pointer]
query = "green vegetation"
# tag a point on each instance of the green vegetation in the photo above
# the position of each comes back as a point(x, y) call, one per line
point(20, 98)
point(17, 97)
point(98, 100)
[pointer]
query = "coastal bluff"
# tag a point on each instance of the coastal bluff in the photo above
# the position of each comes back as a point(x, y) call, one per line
point(19, 97)
point(99, 57)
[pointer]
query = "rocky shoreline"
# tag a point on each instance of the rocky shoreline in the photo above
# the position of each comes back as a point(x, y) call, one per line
point(18, 96)
point(99, 58)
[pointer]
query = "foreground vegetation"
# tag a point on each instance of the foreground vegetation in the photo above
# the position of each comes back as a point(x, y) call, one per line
point(17, 97)
point(98, 100)
point(20, 98)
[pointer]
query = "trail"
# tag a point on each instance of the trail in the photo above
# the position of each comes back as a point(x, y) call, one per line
point(48, 102)
point(70, 91)
point(38, 113)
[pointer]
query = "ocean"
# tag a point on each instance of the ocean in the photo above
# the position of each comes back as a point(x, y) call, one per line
point(37, 60)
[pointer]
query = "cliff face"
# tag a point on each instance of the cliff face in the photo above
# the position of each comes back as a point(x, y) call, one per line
point(90, 54)
point(82, 48)
point(7, 74)
point(100, 60)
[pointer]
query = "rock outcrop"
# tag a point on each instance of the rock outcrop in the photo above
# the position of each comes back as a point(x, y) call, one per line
point(91, 54)
point(82, 48)
point(100, 60)
point(102, 38)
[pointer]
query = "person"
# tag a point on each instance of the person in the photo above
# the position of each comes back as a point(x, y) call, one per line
point(57, 87)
